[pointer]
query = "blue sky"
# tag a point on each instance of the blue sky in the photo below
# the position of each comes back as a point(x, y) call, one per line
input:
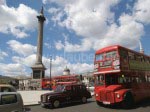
point(73, 31)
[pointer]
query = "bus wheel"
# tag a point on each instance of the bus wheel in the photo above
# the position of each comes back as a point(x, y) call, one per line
point(128, 101)
point(56, 103)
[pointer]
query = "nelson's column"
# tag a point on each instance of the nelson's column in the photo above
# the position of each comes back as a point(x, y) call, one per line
point(38, 69)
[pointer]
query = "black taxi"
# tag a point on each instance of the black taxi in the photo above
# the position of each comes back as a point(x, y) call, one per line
point(65, 94)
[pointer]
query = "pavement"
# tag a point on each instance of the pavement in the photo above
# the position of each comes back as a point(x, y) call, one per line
point(32, 97)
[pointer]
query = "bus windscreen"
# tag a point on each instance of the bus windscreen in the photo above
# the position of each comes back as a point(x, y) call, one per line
point(107, 55)
point(99, 57)
point(99, 80)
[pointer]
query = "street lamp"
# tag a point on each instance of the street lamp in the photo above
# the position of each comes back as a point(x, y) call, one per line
point(50, 70)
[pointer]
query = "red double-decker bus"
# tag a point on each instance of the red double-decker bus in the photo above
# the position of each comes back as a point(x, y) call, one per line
point(121, 76)
point(59, 80)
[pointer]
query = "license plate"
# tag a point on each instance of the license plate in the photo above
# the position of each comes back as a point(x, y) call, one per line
point(105, 102)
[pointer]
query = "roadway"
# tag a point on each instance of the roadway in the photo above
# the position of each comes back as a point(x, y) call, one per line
point(91, 106)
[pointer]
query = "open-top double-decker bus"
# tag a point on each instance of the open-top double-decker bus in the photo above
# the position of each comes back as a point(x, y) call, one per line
point(121, 76)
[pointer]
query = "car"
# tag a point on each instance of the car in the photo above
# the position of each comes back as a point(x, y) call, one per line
point(7, 88)
point(65, 94)
point(12, 102)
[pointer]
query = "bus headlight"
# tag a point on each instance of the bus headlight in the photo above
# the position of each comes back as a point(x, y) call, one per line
point(118, 95)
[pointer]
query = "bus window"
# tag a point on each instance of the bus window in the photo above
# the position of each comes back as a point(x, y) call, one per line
point(111, 79)
point(99, 80)
point(128, 79)
point(122, 79)
point(123, 54)
point(142, 79)
point(146, 60)
point(111, 54)
point(135, 79)
point(99, 57)
point(131, 56)
point(139, 58)
point(148, 78)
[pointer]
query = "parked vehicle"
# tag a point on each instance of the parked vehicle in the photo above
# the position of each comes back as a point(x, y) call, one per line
point(7, 88)
point(65, 94)
point(11, 102)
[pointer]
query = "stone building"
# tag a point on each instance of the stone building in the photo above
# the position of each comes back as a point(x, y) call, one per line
point(66, 71)
point(9, 80)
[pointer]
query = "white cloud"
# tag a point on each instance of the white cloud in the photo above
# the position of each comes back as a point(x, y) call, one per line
point(59, 45)
point(21, 49)
point(121, 34)
point(58, 64)
point(44, 1)
point(128, 7)
point(19, 66)
point(80, 67)
point(60, 2)
point(142, 11)
point(2, 2)
point(71, 47)
point(3, 55)
point(12, 69)
point(95, 22)
point(85, 46)
point(26, 61)
point(17, 21)
point(48, 45)
point(57, 15)
point(53, 10)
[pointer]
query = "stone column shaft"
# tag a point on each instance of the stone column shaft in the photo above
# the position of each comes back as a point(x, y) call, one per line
point(39, 42)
